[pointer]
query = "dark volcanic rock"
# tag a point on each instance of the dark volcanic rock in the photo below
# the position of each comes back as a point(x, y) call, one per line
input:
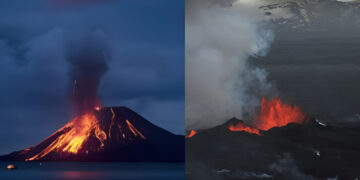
point(145, 142)
point(295, 151)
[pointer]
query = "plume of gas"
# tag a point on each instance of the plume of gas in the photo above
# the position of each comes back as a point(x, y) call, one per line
point(220, 81)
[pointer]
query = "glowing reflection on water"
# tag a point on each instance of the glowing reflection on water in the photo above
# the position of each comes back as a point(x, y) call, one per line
point(103, 171)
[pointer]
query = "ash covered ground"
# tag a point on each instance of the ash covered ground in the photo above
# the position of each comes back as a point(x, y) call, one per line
point(314, 150)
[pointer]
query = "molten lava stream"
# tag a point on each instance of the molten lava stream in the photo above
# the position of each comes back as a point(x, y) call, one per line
point(76, 132)
point(244, 127)
point(191, 134)
point(274, 113)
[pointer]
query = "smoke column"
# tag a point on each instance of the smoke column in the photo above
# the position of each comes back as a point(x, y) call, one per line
point(220, 82)
point(88, 60)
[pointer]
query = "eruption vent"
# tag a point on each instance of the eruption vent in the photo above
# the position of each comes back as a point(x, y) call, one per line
point(273, 113)
point(88, 61)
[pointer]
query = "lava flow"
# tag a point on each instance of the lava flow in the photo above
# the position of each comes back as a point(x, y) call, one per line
point(273, 113)
point(76, 133)
point(243, 127)
point(191, 134)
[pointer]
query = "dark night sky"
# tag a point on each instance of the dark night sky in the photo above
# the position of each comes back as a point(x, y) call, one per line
point(146, 67)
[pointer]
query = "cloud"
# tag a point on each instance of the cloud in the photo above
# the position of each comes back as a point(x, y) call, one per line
point(220, 82)
point(346, 0)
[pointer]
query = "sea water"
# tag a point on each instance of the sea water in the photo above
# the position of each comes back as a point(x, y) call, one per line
point(89, 170)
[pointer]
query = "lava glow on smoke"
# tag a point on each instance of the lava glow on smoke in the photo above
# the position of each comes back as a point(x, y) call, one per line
point(273, 113)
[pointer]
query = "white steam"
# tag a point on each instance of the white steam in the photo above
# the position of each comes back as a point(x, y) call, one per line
point(220, 82)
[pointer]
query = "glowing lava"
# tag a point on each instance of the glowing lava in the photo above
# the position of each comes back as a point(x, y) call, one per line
point(243, 127)
point(76, 132)
point(191, 134)
point(112, 121)
point(134, 130)
point(273, 113)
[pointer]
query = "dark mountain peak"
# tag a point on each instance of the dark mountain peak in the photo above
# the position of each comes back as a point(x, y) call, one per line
point(120, 109)
point(232, 121)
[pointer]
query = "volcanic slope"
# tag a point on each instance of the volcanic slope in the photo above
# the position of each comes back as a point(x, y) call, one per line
point(106, 134)
point(312, 150)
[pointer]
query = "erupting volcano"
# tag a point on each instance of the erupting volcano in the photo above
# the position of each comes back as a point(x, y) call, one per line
point(108, 134)
point(273, 113)
point(99, 133)
point(104, 134)
point(279, 134)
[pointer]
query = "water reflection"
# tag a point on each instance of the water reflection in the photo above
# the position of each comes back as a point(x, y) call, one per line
point(103, 171)
point(80, 175)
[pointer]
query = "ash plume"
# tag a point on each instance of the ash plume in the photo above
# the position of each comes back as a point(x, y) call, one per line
point(220, 82)
point(88, 61)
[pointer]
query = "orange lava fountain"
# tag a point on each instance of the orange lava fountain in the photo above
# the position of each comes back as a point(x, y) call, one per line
point(273, 113)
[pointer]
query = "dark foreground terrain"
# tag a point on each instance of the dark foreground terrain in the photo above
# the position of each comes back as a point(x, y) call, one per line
point(296, 151)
